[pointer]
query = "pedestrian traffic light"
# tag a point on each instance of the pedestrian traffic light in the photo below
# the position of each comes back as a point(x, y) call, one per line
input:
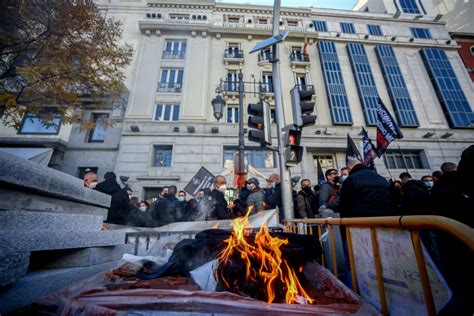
point(292, 150)
point(259, 123)
point(302, 105)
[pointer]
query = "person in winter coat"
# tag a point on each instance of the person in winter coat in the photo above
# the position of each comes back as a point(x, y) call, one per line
point(364, 193)
point(119, 209)
point(329, 191)
point(256, 199)
point(306, 206)
point(415, 198)
point(220, 208)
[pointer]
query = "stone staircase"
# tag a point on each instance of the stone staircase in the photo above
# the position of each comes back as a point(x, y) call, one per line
point(50, 232)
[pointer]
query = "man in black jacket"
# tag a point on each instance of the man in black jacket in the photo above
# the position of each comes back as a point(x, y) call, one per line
point(305, 201)
point(364, 193)
point(119, 210)
point(220, 208)
point(415, 198)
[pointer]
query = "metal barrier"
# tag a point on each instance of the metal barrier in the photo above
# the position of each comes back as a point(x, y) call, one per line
point(414, 224)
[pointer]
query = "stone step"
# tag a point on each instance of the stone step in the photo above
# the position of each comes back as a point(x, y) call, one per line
point(32, 221)
point(37, 240)
point(13, 266)
point(40, 283)
point(29, 175)
point(26, 201)
point(69, 258)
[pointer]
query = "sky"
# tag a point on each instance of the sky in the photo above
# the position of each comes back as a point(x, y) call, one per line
point(330, 4)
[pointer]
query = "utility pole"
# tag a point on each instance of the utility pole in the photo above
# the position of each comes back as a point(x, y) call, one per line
point(286, 187)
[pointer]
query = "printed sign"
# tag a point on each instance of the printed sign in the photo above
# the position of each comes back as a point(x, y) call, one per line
point(203, 179)
point(400, 274)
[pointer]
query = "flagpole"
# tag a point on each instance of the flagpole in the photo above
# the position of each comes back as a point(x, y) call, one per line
point(401, 153)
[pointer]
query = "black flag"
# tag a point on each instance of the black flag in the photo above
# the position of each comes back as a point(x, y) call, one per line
point(368, 149)
point(387, 129)
point(321, 177)
point(352, 153)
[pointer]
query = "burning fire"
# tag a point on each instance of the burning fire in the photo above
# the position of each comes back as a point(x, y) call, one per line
point(263, 262)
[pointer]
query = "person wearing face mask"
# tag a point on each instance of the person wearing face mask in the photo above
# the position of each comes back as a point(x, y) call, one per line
point(428, 182)
point(415, 199)
point(305, 200)
point(182, 207)
point(329, 192)
point(220, 209)
point(273, 195)
point(90, 180)
point(256, 198)
point(344, 174)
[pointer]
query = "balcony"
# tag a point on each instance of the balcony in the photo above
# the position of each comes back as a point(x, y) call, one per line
point(169, 87)
point(230, 86)
point(305, 87)
point(266, 88)
point(174, 54)
point(234, 56)
point(296, 57)
point(264, 57)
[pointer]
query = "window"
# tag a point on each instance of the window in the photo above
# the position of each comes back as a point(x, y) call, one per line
point(375, 30)
point(420, 32)
point(262, 21)
point(397, 88)
point(325, 161)
point(33, 124)
point(320, 26)
point(409, 6)
point(404, 159)
point(232, 114)
point(292, 22)
point(163, 154)
point(257, 158)
point(179, 16)
point(365, 81)
point(232, 83)
point(167, 112)
point(267, 82)
point(171, 80)
point(448, 90)
point(175, 49)
point(347, 28)
point(273, 115)
point(336, 92)
point(97, 135)
point(152, 193)
point(81, 171)
point(233, 19)
point(233, 51)
point(301, 81)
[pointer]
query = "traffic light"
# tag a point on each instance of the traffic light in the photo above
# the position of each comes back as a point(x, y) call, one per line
point(259, 122)
point(293, 151)
point(303, 106)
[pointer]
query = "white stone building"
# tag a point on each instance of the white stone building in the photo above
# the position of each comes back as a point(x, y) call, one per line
point(183, 49)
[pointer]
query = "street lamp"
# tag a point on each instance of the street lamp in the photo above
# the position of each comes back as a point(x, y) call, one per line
point(218, 104)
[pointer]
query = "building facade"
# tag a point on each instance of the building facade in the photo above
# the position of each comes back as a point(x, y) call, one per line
point(184, 49)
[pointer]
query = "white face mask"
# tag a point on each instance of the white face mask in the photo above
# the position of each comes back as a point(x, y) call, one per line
point(223, 188)
point(143, 208)
point(181, 198)
point(92, 185)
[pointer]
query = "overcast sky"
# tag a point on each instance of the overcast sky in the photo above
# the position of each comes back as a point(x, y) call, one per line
point(332, 4)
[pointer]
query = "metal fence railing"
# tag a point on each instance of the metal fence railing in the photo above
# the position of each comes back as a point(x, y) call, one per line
point(412, 224)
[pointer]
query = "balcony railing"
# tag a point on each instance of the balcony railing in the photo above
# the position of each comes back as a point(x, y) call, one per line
point(265, 56)
point(230, 86)
point(299, 57)
point(173, 54)
point(305, 87)
point(233, 53)
point(266, 87)
point(169, 87)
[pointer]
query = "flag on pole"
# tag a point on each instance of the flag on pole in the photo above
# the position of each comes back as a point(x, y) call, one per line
point(321, 177)
point(352, 153)
point(368, 149)
point(387, 129)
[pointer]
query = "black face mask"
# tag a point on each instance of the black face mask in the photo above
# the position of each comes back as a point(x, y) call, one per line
point(307, 189)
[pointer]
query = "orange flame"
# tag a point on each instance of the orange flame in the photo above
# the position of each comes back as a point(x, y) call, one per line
point(215, 226)
point(266, 252)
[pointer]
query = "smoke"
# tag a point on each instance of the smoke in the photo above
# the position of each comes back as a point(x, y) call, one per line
point(204, 209)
